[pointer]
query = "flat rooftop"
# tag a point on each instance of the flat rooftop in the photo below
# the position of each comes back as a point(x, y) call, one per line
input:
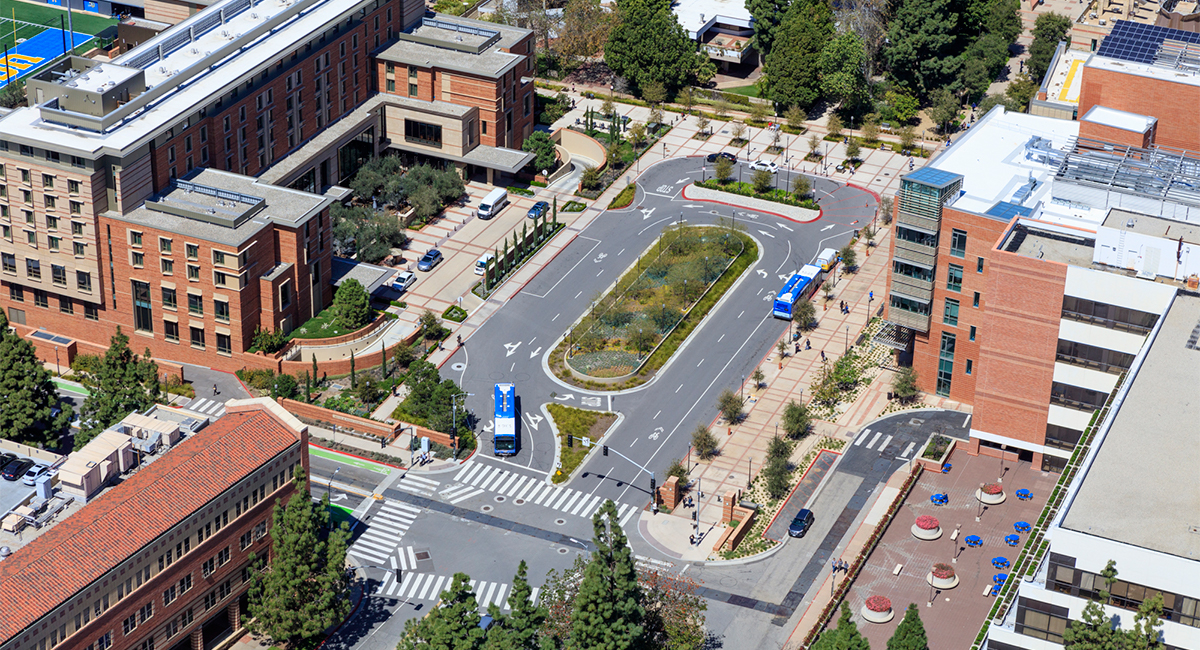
point(1148, 50)
point(1065, 80)
point(1144, 224)
point(696, 16)
point(1123, 120)
point(1141, 487)
point(1044, 241)
point(224, 207)
point(459, 44)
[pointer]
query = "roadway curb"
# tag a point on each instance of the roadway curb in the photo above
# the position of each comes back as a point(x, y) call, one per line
point(820, 213)
point(558, 445)
point(797, 486)
point(362, 458)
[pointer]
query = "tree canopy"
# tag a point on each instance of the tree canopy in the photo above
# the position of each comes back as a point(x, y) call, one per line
point(363, 233)
point(648, 45)
point(792, 69)
point(546, 158)
point(843, 69)
point(766, 14)
point(923, 45)
point(352, 305)
point(1048, 30)
point(26, 412)
point(123, 383)
point(910, 633)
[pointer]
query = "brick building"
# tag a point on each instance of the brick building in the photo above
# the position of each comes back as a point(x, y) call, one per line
point(196, 170)
point(161, 560)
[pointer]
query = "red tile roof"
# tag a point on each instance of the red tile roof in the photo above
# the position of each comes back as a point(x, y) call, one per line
point(83, 547)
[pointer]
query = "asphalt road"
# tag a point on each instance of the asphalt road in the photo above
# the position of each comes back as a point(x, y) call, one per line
point(513, 345)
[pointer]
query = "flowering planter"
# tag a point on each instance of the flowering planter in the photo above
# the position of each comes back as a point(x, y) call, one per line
point(942, 577)
point(991, 494)
point(927, 534)
point(877, 609)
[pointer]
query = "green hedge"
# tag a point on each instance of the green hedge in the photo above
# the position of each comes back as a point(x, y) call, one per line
point(745, 189)
point(455, 313)
point(625, 198)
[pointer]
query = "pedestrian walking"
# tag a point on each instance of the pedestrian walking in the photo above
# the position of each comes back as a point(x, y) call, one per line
point(215, 391)
point(822, 356)
point(807, 344)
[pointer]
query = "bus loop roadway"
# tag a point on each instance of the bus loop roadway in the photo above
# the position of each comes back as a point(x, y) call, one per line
point(659, 416)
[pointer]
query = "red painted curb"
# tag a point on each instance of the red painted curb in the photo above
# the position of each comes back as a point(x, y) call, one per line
point(797, 486)
point(344, 453)
point(734, 205)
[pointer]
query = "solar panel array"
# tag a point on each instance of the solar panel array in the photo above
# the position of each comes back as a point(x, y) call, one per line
point(932, 177)
point(1139, 42)
point(1005, 210)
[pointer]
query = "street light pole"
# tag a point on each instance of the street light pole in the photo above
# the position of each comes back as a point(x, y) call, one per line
point(329, 485)
point(847, 338)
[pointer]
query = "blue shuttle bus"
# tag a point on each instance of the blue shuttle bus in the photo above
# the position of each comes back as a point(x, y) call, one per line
point(504, 438)
point(793, 291)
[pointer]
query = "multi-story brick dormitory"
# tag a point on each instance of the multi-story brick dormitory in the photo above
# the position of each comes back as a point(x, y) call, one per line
point(161, 560)
point(181, 191)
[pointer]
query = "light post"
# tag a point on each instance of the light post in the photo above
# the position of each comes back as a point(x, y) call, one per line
point(57, 368)
point(749, 473)
point(847, 338)
point(742, 389)
point(329, 485)
point(664, 150)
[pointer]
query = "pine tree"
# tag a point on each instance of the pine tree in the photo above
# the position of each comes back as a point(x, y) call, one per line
point(29, 394)
point(452, 625)
point(910, 633)
point(608, 608)
point(123, 384)
point(314, 372)
point(520, 629)
point(305, 588)
point(353, 379)
point(844, 637)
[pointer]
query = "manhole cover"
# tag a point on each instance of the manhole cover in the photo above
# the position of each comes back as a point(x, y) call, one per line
point(500, 498)
point(486, 509)
point(559, 521)
point(422, 555)
point(562, 550)
point(519, 502)
point(459, 367)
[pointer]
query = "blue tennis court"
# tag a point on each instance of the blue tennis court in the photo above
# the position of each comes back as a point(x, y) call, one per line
point(35, 52)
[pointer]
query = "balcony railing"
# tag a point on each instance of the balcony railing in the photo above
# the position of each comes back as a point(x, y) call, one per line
point(925, 223)
point(905, 318)
point(913, 287)
point(913, 252)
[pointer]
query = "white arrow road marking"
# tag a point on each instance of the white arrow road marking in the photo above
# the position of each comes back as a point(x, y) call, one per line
point(512, 347)
point(784, 276)
point(563, 398)
point(490, 425)
point(767, 234)
point(828, 227)
point(762, 272)
point(692, 205)
point(337, 497)
point(647, 212)
point(785, 228)
point(682, 180)
point(535, 352)
point(534, 420)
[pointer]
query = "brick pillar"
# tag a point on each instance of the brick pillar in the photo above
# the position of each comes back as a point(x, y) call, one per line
point(235, 615)
point(728, 502)
point(668, 493)
point(198, 638)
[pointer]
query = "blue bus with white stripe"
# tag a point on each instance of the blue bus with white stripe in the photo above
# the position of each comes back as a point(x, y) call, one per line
point(797, 288)
point(504, 438)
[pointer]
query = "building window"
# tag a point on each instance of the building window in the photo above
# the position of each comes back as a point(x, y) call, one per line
point(945, 365)
point(48, 201)
point(6, 232)
point(33, 269)
point(975, 302)
point(10, 262)
point(195, 305)
point(391, 85)
point(1074, 397)
point(142, 315)
point(197, 337)
point(139, 259)
point(958, 243)
point(135, 238)
point(970, 366)
point(979, 265)
point(164, 245)
point(285, 295)
point(221, 309)
point(65, 305)
point(47, 181)
point(51, 223)
point(954, 275)
point(90, 312)
point(950, 314)
point(31, 238)
point(193, 251)
point(40, 299)
point(80, 249)
point(104, 642)
point(168, 298)
point(220, 279)
point(423, 133)
point(16, 293)
point(58, 274)
point(1110, 316)
point(171, 331)
point(1042, 625)
point(55, 243)
point(972, 333)
point(76, 228)
point(72, 187)
point(168, 267)
point(193, 272)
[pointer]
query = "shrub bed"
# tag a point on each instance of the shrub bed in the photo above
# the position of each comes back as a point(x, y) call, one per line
point(455, 313)
point(578, 424)
point(622, 200)
point(746, 189)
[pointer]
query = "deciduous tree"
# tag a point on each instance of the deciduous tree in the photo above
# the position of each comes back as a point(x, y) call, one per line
point(791, 71)
point(124, 383)
point(843, 70)
point(1048, 30)
point(585, 29)
point(704, 442)
point(545, 156)
point(29, 396)
point(796, 420)
point(731, 405)
point(904, 383)
point(648, 45)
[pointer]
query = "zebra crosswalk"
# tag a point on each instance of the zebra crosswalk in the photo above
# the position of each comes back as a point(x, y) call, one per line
point(417, 485)
point(204, 406)
point(475, 478)
point(428, 586)
point(384, 532)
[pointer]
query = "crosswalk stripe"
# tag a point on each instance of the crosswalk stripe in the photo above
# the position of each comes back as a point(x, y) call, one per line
point(196, 405)
point(533, 483)
point(408, 580)
point(509, 491)
point(861, 437)
point(414, 488)
point(548, 490)
point(394, 528)
point(627, 516)
point(392, 559)
point(425, 589)
point(437, 588)
point(496, 480)
point(565, 492)
point(421, 479)
point(217, 406)
point(500, 600)
point(908, 449)
point(510, 481)
point(574, 498)
point(485, 476)
point(471, 474)
point(873, 439)
point(392, 506)
point(403, 561)
point(375, 544)
point(466, 467)
point(580, 509)
point(473, 584)
point(886, 442)
point(451, 492)
point(486, 599)
point(591, 508)
point(533, 596)
point(412, 557)
point(466, 496)
point(367, 554)
point(415, 587)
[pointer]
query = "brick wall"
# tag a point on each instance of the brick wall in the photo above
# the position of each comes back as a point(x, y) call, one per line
point(1115, 135)
point(1174, 104)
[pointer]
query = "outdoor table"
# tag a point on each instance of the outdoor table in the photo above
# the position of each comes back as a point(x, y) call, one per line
point(946, 468)
point(974, 540)
point(1000, 562)
point(999, 578)
point(1012, 540)
point(939, 499)
point(1024, 495)
point(1021, 526)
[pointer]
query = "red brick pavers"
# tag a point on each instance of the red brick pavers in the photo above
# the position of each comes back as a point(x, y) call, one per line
point(956, 614)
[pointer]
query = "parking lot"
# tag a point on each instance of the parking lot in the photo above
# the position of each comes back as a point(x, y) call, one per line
point(13, 493)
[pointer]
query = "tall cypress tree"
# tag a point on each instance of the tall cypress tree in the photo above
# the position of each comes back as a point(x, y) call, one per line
point(520, 629)
point(910, 633)
point(452, 625)
point(844, 637)
point(29, 394)
point(305, 589)
point(123, 384)
point(608, 609)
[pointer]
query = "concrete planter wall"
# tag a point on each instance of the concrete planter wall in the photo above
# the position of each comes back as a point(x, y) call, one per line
point(927, 535)
point(990, 499)
point(941, 583)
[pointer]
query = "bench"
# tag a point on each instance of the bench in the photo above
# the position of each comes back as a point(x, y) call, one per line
point(954, 535)
point(987, 591)
point(896, 571)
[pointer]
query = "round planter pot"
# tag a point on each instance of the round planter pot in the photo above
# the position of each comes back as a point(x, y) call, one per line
point(876, 617)
point(941, 583)
point(927, 535)
point(990, 499)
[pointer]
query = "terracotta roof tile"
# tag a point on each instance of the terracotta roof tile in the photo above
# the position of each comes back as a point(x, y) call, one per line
point(80, 549)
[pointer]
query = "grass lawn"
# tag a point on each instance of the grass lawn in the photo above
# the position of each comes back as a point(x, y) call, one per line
point(338, 514)
point(578, 423)
point(321, 326)
point(43, 14)
point(749, 91)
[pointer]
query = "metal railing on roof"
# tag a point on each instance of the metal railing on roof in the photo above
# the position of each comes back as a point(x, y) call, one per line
point(228, 195)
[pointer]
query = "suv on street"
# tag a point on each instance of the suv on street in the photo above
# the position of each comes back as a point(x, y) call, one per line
point(429, 260)
point(801, 524)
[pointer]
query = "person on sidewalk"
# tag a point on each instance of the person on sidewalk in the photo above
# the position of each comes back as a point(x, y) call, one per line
point(807, 344)
point(215, 391)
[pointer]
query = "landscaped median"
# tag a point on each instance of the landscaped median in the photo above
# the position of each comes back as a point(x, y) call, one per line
point(711, 190)
point(573, 426)
point(632, 330)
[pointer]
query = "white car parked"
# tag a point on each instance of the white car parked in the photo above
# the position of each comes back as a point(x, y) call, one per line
point(404, 280)
point(764, 164)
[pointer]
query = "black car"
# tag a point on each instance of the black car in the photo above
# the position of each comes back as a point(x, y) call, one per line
point(16, 469)
point(801, 523)
point(712, 157)
point(6, 458)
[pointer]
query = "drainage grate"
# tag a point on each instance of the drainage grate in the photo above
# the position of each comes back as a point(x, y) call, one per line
point(422, 555)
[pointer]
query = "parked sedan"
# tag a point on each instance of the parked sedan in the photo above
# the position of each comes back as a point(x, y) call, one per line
point(16, 469)
point(34, 473)
point(404, 280)
point(429, 260)
point(6, 458)
point(764, 164)
point(539, 209)
point(713, 157)
point(800, 525)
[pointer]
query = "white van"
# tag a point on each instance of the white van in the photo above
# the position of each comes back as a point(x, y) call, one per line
point(482, 262)
point(828, 258)
point(493, 203)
